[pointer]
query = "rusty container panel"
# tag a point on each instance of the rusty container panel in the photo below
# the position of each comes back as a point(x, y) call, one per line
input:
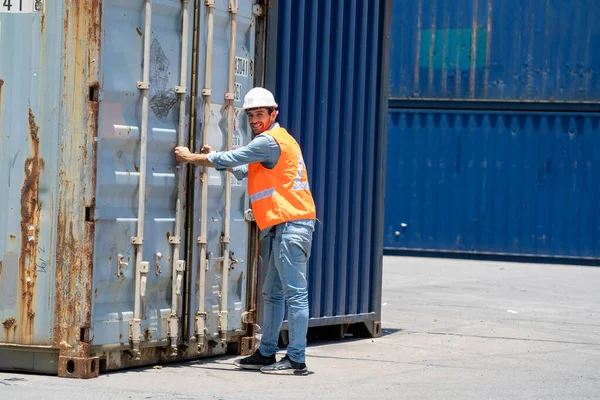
point(116, 206)
point(81, 40)
point(48, 64)
point(242, 135)
point(70, 128)
point(29, 140)
point(495, 50)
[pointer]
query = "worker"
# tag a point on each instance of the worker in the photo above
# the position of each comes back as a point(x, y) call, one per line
point(284, 211)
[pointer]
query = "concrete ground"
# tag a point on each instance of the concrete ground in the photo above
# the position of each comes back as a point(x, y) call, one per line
point(452, 329)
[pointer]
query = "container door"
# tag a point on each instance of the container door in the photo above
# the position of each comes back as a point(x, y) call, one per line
point(119, 169)
point(29, 94)
point(217, 120)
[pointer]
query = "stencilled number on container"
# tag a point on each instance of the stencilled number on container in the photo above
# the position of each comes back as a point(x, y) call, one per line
point(238, 92)
point(242, 66)
point(20, 6)
point(236, 140)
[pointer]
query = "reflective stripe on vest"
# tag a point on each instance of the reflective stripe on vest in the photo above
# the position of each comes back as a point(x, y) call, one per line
point(298, 184)
point(263, 194)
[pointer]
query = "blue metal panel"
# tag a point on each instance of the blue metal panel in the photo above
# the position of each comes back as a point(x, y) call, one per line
point(522, 183)
point(326, 70)
point(29, 141)
point(496, 50)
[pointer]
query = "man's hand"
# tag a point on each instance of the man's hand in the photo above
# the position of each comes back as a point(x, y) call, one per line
point(206, 149)
point(184, 155)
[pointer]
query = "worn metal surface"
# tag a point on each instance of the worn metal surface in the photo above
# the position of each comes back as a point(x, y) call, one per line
point(82, 32)
point(520, 183)
point(496, 50)
point(67, 154)
point(48, 128)
point(28, 145)
point(78, 367)
point(118, 169)
point(244, 77)
point(326, 66)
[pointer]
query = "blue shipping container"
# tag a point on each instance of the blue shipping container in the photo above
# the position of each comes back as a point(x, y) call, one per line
point(523, 183)
point(328, 70)
point(493, 143)
point(516, 50)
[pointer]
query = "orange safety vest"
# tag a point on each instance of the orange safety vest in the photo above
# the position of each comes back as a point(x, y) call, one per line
point(281, 194)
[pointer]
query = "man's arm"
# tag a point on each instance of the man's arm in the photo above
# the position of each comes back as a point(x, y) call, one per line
point(258, 150)
point(261, 149)
point(184, 155)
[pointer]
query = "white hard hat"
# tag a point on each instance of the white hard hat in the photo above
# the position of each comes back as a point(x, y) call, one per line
point(259, 97)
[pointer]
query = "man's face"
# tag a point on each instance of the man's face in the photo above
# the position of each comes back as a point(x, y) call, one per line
point(261, 119)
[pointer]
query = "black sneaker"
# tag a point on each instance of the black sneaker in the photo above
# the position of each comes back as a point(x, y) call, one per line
point(256, 361)
point(286, 367)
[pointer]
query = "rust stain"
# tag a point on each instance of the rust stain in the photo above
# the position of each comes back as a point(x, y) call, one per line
point(9, 323)
point(77, 176)
point(30, 230)
point(139, 31)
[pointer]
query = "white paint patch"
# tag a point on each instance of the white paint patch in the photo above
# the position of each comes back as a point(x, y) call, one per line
point(237, 91)
point(214, 177)
point(19, 6)
point(236, 140)
point(242, 66)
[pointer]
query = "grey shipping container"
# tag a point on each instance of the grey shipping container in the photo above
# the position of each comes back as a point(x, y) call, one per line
point(97, 228)
point(111, 255)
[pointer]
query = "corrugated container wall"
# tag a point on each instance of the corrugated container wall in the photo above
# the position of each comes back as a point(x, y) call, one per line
point(327, 69)
point(494, 138)
point(517, 183)
point(496, 50)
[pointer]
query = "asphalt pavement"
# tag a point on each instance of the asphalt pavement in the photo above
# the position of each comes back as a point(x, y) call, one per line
point(452, 329)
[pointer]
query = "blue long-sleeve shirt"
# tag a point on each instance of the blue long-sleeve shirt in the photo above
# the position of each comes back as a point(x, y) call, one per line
point(263, 149)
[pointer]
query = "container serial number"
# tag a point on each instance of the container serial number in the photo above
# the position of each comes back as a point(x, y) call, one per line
point(20, 6)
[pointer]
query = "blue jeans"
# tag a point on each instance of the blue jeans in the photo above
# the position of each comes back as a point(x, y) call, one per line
point(285, 281)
